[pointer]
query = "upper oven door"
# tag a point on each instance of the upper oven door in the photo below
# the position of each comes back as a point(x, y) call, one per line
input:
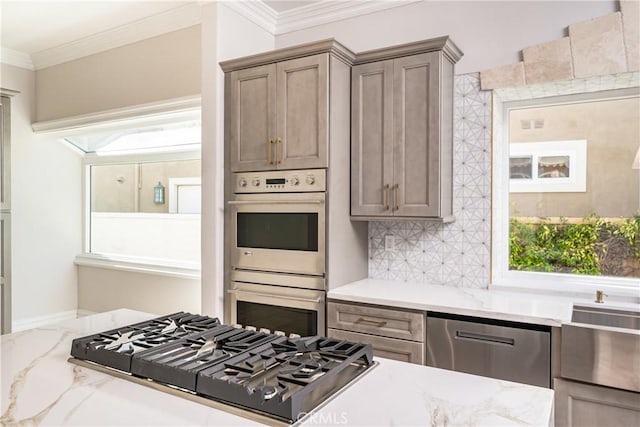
point(279, 232)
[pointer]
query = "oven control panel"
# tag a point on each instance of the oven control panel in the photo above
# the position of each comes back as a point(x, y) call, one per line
point(289, 181)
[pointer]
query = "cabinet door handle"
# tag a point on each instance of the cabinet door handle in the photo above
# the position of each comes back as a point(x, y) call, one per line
point(278, 149)
point(269, 144)
point(385, 191)
point(395, 197)
point(378, 323)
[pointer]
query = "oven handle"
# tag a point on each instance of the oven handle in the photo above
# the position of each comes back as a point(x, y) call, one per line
point(235, 291)
point(274, 202)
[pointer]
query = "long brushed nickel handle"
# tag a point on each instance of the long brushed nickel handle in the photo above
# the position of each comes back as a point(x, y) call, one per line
point(269, 159)
point(385, 190)
point(395, 196)
point(275, 202)
point(258, 294)
point(378, 323)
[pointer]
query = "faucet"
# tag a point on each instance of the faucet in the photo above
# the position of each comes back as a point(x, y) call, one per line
point(600, 297)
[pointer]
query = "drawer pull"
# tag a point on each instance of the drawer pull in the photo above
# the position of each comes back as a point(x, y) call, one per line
point(489, 339)
point(378, 323)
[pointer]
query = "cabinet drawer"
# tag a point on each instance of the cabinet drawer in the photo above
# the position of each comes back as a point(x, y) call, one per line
point(386, 322)
point(390, 348)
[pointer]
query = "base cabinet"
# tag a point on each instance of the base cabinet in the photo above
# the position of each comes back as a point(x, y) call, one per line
point(393, 333)
point(584, 405)
point(389, 348)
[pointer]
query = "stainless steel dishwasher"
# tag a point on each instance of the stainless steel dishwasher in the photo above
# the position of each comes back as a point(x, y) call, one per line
point(500, 349)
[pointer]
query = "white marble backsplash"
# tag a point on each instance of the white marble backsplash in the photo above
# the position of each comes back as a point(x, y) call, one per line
point(458, 253)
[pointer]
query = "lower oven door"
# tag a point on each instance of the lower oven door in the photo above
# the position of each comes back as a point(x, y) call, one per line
point(278, 308)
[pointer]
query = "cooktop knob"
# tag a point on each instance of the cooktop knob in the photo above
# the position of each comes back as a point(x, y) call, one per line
point(311, 179)
point(242, 182)
point(256, 182)
point(295, 180)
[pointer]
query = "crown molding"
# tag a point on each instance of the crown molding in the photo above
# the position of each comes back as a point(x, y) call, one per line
point(257, 12)
point(16, 58)
point(184, 108)
point(325, 12)
point(161, 23)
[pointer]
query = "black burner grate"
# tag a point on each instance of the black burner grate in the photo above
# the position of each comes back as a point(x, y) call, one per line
point(116, 348)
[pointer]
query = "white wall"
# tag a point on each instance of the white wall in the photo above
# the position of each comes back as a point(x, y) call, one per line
point(489, 33)
point(225, 35)
point(150, 235)
point(46, 221)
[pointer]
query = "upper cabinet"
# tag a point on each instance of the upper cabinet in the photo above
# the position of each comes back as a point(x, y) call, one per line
point(401, 131)
point(278, 108)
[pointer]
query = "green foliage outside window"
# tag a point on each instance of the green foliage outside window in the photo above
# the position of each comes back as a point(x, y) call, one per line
point(594, 246)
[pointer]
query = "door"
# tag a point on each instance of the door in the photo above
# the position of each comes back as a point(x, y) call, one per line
point(252, 112)
point(278, 308)
point(416, 139)
point(302, 117)
point(372, 138)
point(5, 273)
point(279, 232)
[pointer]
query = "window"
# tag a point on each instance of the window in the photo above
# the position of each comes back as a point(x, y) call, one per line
point(127, 219)
point(143, 198)
point(566, 195)
point(547, 166)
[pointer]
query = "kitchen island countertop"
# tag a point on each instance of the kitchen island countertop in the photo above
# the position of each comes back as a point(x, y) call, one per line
point(39, 386)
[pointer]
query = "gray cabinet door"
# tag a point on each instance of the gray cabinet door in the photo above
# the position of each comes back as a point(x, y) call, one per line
point(302, 112)
point(5, 155)
point(585, 405)
point(416, 135)
point(372, 138)
point(252, 110)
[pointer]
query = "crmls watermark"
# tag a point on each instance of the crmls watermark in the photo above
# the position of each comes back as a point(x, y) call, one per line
point(323, 418)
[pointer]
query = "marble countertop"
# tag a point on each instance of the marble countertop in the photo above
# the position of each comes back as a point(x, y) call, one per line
point(40, 387)
point(513, 306)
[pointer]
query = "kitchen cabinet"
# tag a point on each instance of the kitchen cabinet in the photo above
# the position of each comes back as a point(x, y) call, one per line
point(5, 154)
point(584, 405)
point(5, 212)
point(278, 115)
point(393, 333)
point(402, 144)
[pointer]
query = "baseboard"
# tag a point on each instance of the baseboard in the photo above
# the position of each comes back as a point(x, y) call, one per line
point(35, 322)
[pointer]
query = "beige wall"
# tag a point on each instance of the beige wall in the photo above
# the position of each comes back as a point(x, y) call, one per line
point(490, 33)
point(46, 184)
point(102, 290)
point(162, 67)
point(613, 136)
point(116, 185)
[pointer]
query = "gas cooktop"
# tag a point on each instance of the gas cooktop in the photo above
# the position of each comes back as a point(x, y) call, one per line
point(282, 377)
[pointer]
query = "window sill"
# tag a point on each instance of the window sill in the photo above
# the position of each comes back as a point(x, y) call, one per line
point(179, 270)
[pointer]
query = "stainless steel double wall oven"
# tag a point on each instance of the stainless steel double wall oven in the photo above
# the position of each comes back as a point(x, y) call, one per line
point(277, 245)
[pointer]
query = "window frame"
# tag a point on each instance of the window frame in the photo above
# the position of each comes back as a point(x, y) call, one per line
point(188, 270)
point(539, 282)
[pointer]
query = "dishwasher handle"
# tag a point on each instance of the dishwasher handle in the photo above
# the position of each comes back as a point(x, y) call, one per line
point(487, 339)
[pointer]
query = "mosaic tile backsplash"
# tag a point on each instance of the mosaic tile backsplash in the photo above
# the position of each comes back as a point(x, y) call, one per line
point(458, 253)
